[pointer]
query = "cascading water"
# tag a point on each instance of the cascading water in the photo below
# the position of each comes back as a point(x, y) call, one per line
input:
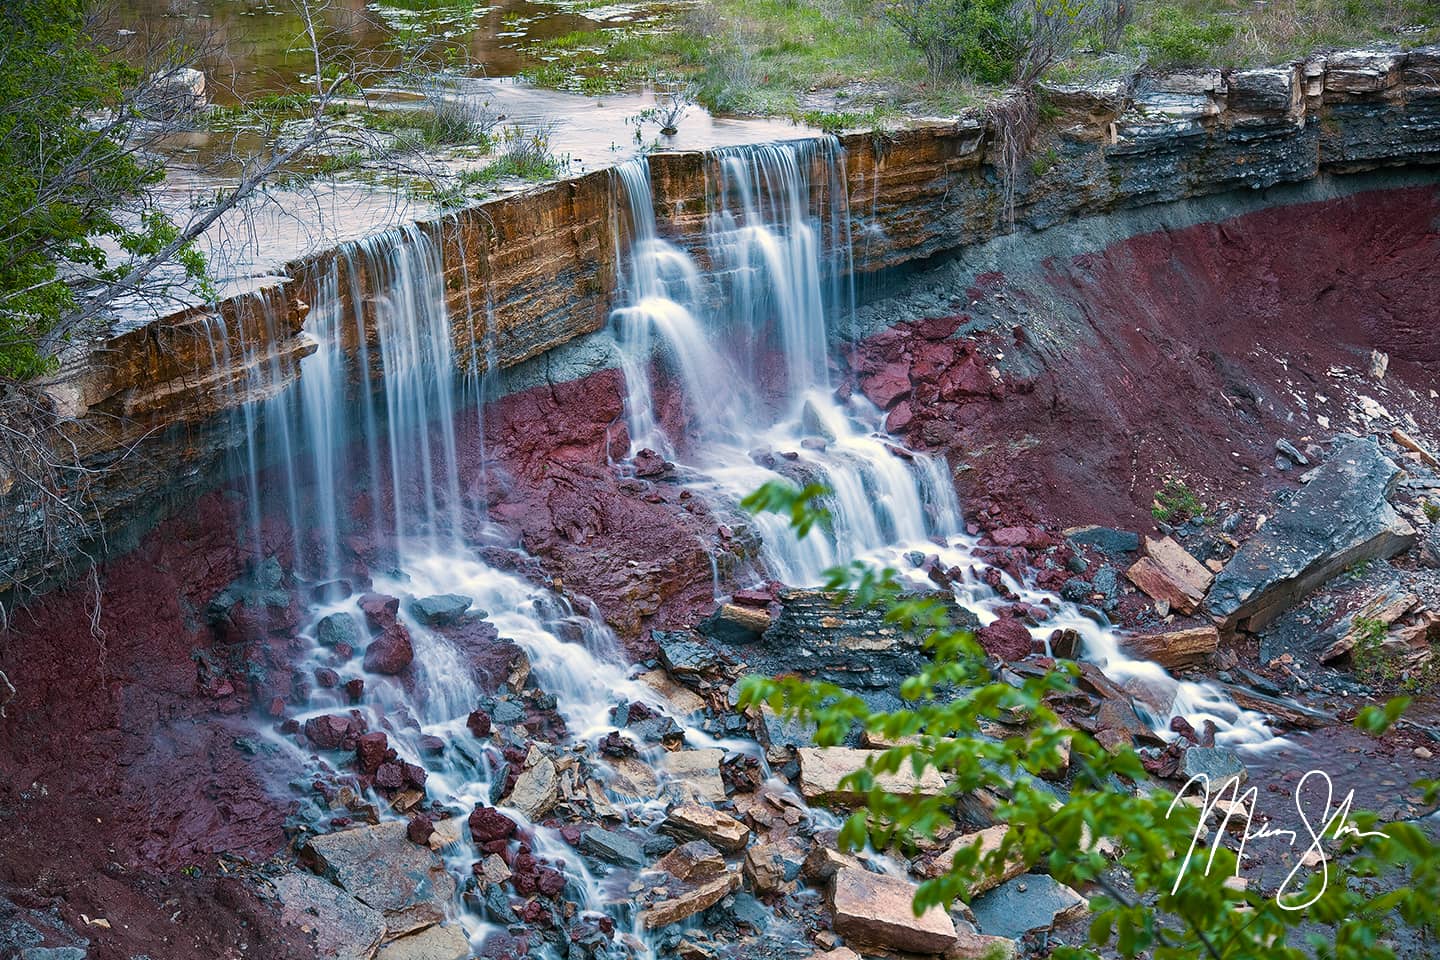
point(371, 486)
point(379, 502)
point(749, 343)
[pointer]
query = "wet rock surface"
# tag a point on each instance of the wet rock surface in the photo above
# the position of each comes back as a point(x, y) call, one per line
point(162, 750)
point(1341, 517)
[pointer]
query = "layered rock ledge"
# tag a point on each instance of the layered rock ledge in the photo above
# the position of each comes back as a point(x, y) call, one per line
point(537, 270)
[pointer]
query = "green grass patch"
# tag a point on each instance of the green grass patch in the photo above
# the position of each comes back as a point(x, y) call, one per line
point(1176, 503)
point(1171, 34)
point(830, 63)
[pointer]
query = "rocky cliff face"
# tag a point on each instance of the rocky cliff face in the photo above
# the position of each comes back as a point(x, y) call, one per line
point(531, 272)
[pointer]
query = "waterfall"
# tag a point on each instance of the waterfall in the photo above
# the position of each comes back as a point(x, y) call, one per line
point(777, 285)
point(370, 460)
point(748, 342)
point(369, 445)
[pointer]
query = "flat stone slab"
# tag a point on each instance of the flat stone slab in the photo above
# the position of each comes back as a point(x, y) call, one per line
point(382, 869)
point(1029, 902)
point(1175, 648)
point(689, 902)
point(708, 824)
point(432, 943)
point(877, 910)
point(822, 769)
point(1339, 518)
point(1217, 764)
point(342, 926)
point(698, 772)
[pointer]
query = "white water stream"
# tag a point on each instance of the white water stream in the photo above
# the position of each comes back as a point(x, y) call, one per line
point(778, 249)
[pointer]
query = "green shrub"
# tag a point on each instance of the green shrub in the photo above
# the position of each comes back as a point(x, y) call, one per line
point(978, 39)
point(1177, 39)
point(63, 180)
point(1110, 830)
point(1175, 503)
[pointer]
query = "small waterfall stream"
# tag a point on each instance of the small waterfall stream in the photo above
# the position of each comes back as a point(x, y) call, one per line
point(774, 289)
point(379, 473)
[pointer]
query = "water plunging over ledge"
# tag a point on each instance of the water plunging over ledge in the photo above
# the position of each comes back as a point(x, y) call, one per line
point(778, 244)
point(381, 475)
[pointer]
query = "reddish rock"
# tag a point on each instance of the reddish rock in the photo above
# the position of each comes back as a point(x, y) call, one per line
point(391, 652)
point(419, 829)
point(488, 825)
point(479, 723)
point(1005, 639)
point(390, 776)
point(371, 750)
point(1032, 538)
point(900, 418)
point(331, 731)
point(888, 385)
point(380, 610)
point(648, 463)
point(966, 380)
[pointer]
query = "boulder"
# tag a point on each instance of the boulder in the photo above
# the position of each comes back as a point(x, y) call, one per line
point(989, 841)
point(632, 778)
point(688, 657)
point(822, 769)
point(1028, 903)
point(380, 609)
point(1219, 764)
point(440, 610)
point(1005, 639)
point(340, 628)
point(612, 847)
point(689, 902)
point(1169, 574)
point(1175, 648)
point(391, 652)
point(1272, 90)
point(706, 823)
point(371, 751)
point(488, 826)
point(537, 789)
point(734, 623)
point(446, 942)
point(173, 93)
point(682, 699)
point(698, 772)
point(1362, 71)
point(764, 869)
point(340, 925)
point(693, 861)
point(334, 731)
point(1339, 518)
point(888, 385)
point(1112, 543)
point(819, 637)
point(876, 911)
point(381, 868)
